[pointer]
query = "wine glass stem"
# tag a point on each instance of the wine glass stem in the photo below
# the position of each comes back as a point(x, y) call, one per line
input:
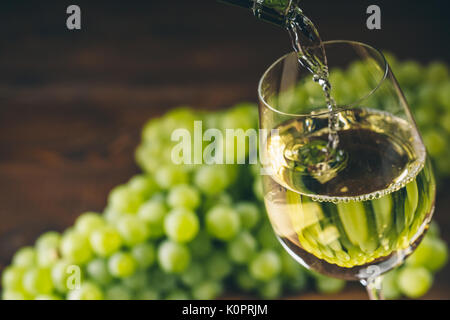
point(373, 287)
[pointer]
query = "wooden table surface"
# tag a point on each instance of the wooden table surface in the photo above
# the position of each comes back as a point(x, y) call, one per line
point(72, 103)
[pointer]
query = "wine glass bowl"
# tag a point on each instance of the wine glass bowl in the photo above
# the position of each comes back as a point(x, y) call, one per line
point(357, 210)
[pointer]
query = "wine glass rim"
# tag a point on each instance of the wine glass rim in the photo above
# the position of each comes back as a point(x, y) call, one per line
point(348, 105)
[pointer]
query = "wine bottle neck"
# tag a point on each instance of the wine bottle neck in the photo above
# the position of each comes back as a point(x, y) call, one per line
point(274, 11)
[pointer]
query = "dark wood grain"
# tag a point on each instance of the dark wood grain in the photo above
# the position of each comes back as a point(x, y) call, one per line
point(72, 102)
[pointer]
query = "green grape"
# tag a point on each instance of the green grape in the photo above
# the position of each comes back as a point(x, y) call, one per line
point(301, 98)
point(245, 281)
point(219, 199)
point(213, 119)
point(123, 199)
point(156, 148)
point(75, 248)
point(47, 297)
point(14, 295)
point(241, 116)
point(173, 257)
point(289, 267)
point(445, 121)
point(201, 246)
point(327, 285)
point(122, 264)
point(87, 291)
point(442, 164)
point(161, 281)
point(431, 254)
point(147, 294)
point(105, 241)
point(193, 274)
point(184, 196)
point(298, 282)
point(337, 76)
point(224, 199)
point(222, 222)
point(258, 189)
point(444, 95)
point(436, 72)
point(424, 118)
point(271, 289)
point(426, 96)
point(47, 256)
point(25, 257)
point(47, 248)
point(136, 281)
point(153, 213)
point(409, 74)
point(183, 114)
point(241, 249)
point(265, 265)
point(170, 175)
point(88, 222)
point(435, 142)
point(248, 213)
point(360, 84)
point(97, 270)
point(266, 237)
point(144, 254)
point(63, 276)
point(144, 185)
point(389, 286)
point(111, 216)
point(433, 230)
point(159, 197)
point(218, 266)
point(359, 70)
point(37, 281)
point(233, 171)
point(314, 92)
point(207, 290)
point(50, 239)
point(152, 130)
point(181, 225)
point(422, 254)
point(414, 282)
point(181, 117)
point(178, 295)
point(147, 158)
point(118, 292)
point(12, 277)
point(212, 179)
point(132, 230)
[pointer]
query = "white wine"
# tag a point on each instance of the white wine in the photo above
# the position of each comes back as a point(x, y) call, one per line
point(366, 206)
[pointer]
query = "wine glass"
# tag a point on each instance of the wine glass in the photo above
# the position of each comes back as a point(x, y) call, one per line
point(357, 209)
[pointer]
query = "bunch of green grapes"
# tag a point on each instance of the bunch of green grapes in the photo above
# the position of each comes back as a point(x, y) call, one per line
point(174, 232)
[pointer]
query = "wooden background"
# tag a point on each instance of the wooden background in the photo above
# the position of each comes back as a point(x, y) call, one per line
point(72, 103)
